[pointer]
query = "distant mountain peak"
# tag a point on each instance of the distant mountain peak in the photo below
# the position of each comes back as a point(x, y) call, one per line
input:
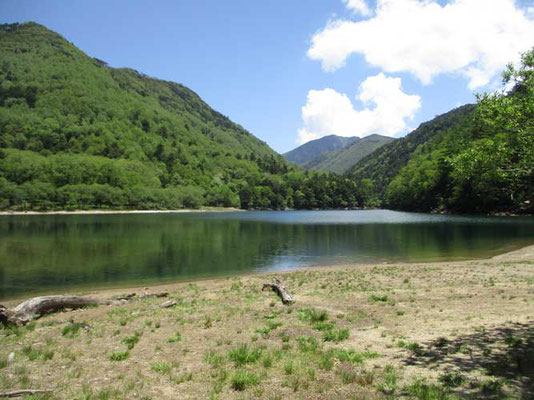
point(305, 153)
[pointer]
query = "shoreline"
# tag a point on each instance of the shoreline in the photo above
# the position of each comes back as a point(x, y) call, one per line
point(100, 212)
point(350, 332)
point(525, 253)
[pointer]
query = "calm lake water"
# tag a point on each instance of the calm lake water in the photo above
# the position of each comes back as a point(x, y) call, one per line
point(54, 253)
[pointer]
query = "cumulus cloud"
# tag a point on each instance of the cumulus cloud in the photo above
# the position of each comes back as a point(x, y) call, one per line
point(358, 6)
point(386, 108)
point(475, 38)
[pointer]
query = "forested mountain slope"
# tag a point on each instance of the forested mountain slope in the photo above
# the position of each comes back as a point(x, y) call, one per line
point(75, 133)
point(340, 161)
point(476, 159)
point(382, 165)
point(318, 149)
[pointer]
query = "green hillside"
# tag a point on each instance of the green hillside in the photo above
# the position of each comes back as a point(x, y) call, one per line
point(340, 161)
point(384, 164)
point(75, 133)
point(315, 151)
point(472, 159)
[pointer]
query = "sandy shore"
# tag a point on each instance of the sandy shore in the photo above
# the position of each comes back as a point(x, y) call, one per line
point(443, 330)
point(96, 212)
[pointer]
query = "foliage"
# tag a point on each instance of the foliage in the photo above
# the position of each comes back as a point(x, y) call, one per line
point(475, 160)
point(77, 134)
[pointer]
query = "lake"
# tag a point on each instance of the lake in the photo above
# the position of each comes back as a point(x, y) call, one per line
point(55, 253)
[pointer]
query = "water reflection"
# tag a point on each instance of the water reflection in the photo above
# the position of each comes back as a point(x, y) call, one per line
point(47, 253)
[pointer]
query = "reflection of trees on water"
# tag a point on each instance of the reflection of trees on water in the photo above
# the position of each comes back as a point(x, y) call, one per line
point(63, 251)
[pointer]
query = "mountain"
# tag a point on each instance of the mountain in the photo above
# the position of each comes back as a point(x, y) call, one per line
point(382, 165)
point(317, 148)
point(76, 133)
point(474, 159)
point(340, 161)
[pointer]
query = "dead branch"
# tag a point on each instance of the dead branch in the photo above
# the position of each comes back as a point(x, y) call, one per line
point(23, 392)
point(281, 291)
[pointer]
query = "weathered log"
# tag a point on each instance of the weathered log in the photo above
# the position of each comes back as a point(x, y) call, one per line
point(34, 308)
point(24, 392)
point(281, 291)
point(168, 303)
point(126, 297)
point(158, 295)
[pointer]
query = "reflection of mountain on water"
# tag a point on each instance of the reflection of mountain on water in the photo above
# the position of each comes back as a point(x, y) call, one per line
point(50, 252)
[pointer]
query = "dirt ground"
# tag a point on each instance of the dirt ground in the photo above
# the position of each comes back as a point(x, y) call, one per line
point(423, 331)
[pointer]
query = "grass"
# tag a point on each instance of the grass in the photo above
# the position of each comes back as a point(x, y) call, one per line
point(336, 335)
point(375, 298)
point(131, 341)
point(71, 331)
point(324, 346)
point(36, 354)
point(162, 367)
point(313, 315)
point(422, 390)
point(119, 355)
point(307, 344)
point(177, 337)
point(452, 379)
point(241, 379)
point(243, 354)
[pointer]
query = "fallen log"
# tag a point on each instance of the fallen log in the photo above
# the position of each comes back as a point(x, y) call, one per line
point(168, 303)
point(281, 291)
point(24, 392)
point(158, 295)
point(34, 308)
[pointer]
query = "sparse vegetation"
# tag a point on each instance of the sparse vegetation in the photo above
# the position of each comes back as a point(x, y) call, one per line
point(350, 343)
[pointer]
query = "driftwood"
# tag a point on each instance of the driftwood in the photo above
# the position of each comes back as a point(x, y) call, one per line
point(281, 291)
point(24, 392)
point(38, 306)
point(168, 303)
point(145, 296)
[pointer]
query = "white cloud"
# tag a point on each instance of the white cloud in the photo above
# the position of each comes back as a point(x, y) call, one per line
point(476, 38)
point(386, 109)
point(358, 6)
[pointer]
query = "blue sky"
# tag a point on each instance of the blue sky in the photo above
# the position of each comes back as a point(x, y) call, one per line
point(261, 62)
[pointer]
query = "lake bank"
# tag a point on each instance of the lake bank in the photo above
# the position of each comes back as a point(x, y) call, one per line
point(112, 212)
point(365, 331)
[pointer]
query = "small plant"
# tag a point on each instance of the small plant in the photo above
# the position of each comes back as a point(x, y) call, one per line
point(336, 335)
point(441, 342)
point(348, 377)
point(289, 367)
point(326, 362)
point(267, 361)
point(241, 379)
point(214, 359)
point(162, 367)
point(491, 385)
point(244, 355)
point(374, 298)
point(176, 338)
point(313, 315)
point(351, 356)
point(389, 385)
point(323, 326)
point(452, 379)
point(208, 322)
point(119, 355)
point(307, 344)
point(35, 354)
point(131, 341)
point(421, 390)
